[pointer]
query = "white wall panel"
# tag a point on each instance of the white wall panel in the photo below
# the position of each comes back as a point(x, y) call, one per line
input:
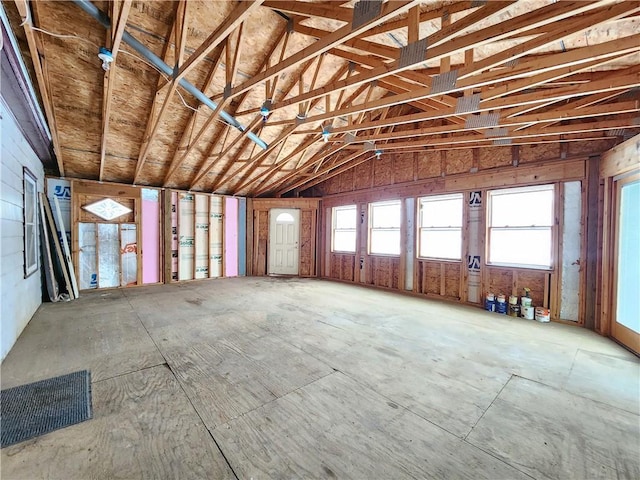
point(19, 296)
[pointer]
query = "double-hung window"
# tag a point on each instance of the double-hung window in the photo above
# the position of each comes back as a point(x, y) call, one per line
point(384, 227)
point(440, 227)
point(30, 223)
point(520, 226)
point(343, 237)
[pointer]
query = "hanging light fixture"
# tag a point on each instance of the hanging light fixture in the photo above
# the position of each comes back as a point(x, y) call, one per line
point(265, 109)
point(326, 133)
point(106, 56)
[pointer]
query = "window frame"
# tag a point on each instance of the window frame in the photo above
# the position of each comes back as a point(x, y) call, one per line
point(371, 229)
point(420, 228)
point(334, 228)
point(551, 228)
point(29, 178)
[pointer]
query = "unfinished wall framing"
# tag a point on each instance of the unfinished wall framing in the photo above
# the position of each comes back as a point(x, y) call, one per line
point(97, 243)
point(205, 240)
point(183, 235)
point(561, 288)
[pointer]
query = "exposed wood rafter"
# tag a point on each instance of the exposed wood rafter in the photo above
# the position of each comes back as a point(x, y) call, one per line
point(324, 84)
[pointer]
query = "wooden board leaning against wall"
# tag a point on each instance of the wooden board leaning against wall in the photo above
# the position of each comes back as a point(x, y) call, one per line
point(405, 179)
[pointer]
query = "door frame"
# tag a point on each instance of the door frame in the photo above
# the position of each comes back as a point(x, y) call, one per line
point(619, 332)
point(271, 213)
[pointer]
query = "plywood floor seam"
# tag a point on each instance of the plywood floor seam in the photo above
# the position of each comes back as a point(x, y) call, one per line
point(302, 378)
point(162, 364)
point(487, 409)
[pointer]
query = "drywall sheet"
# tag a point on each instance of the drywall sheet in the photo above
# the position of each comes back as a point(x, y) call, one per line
point(87, 256)
point(150, 235)
point(242, 236)
point(61, 189)
point(474, 221)
point(215, 236)
point(571, 242)
point(186, 235)
point(108, 255)
point(174, 236)
point(202, 236)
point(129, 254)
point(231, 237)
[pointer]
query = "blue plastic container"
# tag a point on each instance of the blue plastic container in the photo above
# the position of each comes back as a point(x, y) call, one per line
point(501, 307)
point(490, 305)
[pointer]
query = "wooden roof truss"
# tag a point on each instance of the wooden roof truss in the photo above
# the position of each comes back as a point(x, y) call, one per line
point(326, 85)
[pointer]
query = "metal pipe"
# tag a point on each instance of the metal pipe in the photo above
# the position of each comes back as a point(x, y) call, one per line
point(157, 62)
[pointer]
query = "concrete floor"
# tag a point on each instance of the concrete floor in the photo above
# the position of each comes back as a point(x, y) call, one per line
point(299, 378)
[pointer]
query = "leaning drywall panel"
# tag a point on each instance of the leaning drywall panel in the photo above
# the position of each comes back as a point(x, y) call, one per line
point(571, 247)
point(202, 236)
point(215, 236)
point(150, 235)
point(186, 250)
point(61, 189)
point(231, 237)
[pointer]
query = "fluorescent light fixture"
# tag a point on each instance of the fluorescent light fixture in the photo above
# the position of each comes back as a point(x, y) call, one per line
point(107, 209)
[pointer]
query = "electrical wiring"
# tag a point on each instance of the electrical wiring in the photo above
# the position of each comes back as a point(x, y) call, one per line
point(27, 18)
point(168, 79)
point(165, 76)
point(60, 35)
point(86, 40)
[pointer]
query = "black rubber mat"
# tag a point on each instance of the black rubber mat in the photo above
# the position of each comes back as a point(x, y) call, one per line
point(41, 407)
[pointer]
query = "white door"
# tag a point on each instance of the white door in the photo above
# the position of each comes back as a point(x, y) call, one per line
point(284, 235)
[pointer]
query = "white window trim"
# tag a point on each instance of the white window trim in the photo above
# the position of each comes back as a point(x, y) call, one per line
point(390, 229)
point(29, 177)
point(334, 229)
point(551, 228)
point(426, 199)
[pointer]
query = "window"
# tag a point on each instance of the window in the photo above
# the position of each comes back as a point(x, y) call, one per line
point(520, 222)
point(440, 224)
point(384, 228)
point(285, 218)
point(107, 209)
point(30, 223)
point(344, 229)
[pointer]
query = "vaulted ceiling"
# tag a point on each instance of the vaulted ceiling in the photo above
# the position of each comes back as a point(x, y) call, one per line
point(263, 97)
